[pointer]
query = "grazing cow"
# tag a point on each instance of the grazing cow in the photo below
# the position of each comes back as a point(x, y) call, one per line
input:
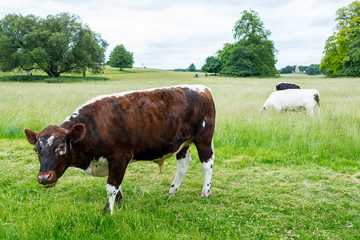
point(108, 132)
point(293, 99)
point(284, 86)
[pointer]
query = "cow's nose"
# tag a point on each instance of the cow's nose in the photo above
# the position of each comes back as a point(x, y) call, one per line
point(46, 178)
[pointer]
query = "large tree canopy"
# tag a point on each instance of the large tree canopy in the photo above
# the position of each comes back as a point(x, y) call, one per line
point(342, 49)
point(252, 54)
point(56, 44)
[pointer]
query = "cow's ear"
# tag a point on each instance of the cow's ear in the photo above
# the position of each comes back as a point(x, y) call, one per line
point(77, 132)
point(31, 136)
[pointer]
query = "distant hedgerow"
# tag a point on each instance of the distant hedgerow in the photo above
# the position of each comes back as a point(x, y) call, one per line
point(47, 79)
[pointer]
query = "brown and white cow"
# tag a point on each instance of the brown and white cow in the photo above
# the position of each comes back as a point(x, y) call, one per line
point(108, 132)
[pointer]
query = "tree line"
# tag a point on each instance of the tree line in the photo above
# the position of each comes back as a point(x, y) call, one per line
point(62, 43)
point(253, 54)
point(313, 69)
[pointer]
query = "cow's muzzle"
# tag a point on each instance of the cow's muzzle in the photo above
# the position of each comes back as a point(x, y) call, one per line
point(47, 179)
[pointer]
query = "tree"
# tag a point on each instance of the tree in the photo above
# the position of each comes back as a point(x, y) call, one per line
point(121, 58)
point(212, 65)
point(236, 60)
point(303, 68)
point(250, 28)
point(56, 44)
point(252, 54)
point(342, 49)
point(89, 54)
point(352, 58)
point(313, 69)
point(287, 69)
point(192, 68)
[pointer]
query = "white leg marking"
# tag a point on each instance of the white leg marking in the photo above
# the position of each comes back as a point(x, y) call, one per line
point(111, 193)
point(310, 108)
point(208, 169)
point(182, 167)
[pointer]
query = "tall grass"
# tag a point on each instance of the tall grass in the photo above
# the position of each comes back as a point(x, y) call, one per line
point(276, 176)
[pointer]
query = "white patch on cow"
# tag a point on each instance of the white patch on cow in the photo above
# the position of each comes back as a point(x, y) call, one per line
point(50, 140)
point(203, 124)
point(64, 151)
point(196, 87)
point(182, 167)
point(98, 168)
point(112, 191)
point(208, 169)
point(41, 143)
point(292, 99)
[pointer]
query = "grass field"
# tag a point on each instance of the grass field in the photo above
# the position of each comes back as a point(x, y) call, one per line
point(276, 176)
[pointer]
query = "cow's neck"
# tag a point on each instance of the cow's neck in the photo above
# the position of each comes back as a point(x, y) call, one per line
point(82, 151)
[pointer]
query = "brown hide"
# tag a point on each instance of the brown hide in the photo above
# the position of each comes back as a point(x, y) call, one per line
point(143, 125)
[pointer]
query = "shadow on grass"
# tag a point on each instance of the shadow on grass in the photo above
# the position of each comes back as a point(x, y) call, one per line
point(47, 79)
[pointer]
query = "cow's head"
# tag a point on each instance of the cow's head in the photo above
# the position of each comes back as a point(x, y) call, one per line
point(54, 150)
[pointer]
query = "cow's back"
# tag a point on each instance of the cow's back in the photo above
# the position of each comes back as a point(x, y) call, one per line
point(151, 123)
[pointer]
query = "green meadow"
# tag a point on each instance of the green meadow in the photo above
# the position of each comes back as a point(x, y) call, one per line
point(276, 176)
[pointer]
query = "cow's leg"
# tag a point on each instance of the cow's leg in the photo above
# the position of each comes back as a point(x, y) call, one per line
point(310, 108)
point(112, 193)
point(310, 111)
point(183, 162)
point(207, 157)
point(113, 188)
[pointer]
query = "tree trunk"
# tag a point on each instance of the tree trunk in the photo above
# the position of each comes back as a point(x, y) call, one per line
point(53, 74)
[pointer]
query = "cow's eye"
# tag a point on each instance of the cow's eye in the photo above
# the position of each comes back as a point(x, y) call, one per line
point(61, 148)
point(37, 152)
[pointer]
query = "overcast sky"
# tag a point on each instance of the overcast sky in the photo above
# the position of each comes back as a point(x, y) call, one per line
point(169, 34)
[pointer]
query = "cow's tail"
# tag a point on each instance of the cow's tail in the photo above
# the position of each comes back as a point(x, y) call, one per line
point(317, 100)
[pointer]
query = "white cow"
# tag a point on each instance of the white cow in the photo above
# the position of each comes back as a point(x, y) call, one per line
point(293, 99)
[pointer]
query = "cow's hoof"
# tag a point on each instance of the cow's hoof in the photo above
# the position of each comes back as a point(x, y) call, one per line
point(172, 193)
point(205, 195)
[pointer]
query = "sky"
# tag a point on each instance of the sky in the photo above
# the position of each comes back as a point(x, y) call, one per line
point(168, 34)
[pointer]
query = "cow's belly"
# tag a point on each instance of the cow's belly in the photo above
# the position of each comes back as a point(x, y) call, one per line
point(98, 168)
point(165, 156)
